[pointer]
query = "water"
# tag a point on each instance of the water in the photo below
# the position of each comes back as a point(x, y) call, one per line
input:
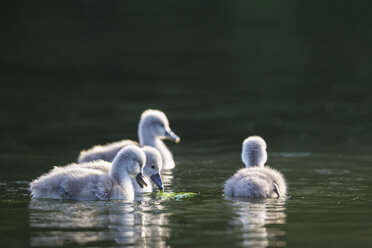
point(329, 198)
point(75, 74)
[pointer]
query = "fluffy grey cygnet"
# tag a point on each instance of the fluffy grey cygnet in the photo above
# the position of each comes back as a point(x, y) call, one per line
point(256, 180)
point(151, 169)
point(79, 183)
point(152, 129)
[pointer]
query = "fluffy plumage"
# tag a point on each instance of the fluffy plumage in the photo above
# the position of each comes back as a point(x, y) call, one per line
point(105, 152)
point(254, 151)
point(152, 129)
point(257, 180)
point(151, 169)
point(73, 182)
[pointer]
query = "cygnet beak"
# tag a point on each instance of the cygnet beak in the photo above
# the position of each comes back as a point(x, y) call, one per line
point(172, 136)
point(140, 181)
point(276, 190)
point(157, 180)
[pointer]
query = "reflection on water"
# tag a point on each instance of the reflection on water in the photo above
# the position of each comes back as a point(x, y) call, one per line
point(253, 219)
point(167, 177)
point(139, 224)
point(143, 223)
point(319, 185)
point(142, 226)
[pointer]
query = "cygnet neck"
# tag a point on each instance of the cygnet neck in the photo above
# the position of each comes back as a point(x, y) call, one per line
point(254, 158)
point(119, 172)
point(147, 139)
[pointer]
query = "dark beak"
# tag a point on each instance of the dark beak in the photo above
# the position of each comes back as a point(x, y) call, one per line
point(140, 181)
point(157, 180)
point(172, 136)
point(276, 190)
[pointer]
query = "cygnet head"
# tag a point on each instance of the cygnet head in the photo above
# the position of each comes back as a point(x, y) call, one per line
point(132, 160)
point(154, 123)
point(153, 165)
point(254, 151)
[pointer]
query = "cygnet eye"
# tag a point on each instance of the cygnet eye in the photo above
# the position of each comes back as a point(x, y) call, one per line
point(162, 125)
point(153, 167)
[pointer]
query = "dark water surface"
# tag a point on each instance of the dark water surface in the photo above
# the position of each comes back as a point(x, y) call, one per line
point(75, 74)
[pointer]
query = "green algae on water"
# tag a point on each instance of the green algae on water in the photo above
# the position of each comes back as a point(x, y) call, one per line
point(175, 196)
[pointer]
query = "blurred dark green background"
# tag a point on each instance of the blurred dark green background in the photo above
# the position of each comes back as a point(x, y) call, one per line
point(77, 73)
